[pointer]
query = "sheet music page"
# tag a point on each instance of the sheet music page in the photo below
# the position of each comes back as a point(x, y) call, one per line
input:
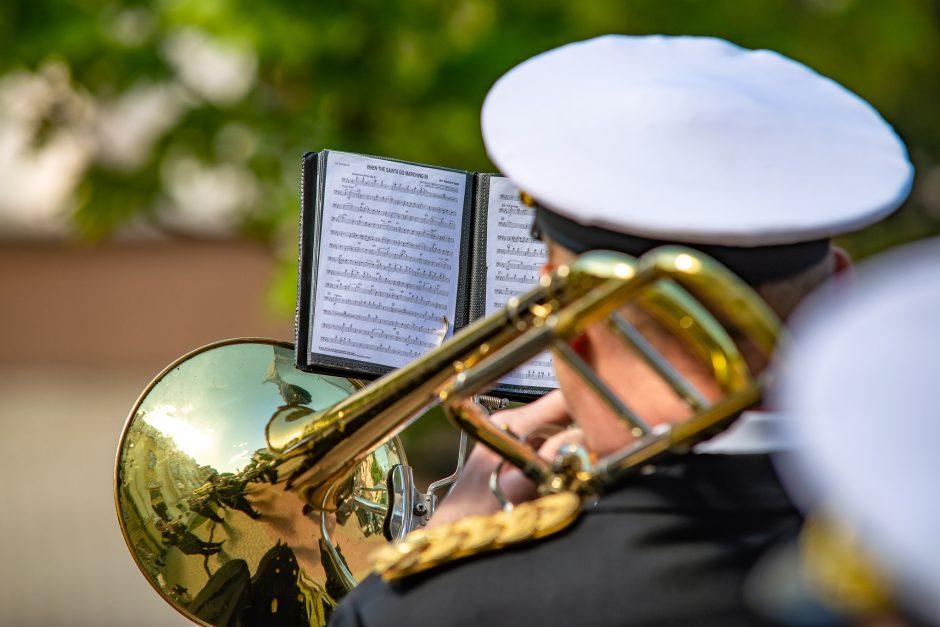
point(388, 261)
point(513, 260)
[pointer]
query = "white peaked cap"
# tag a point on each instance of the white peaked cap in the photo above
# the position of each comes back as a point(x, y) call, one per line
point(693, 139)
point(858, 387)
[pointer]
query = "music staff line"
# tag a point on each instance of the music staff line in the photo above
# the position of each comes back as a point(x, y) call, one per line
point(506, 224)
point(375, 333)
point(437, 277)
point(389, 200)
point(424, 288)
point(377, 306)
point(415, 300)
point(515, 278)
point(428, 234)
point(530, 374)
point(379, 252)
point(515, 264)
point(516, 252)
point(372, 319)
point(540, 362)
point(497, 305)
point(342, 341)
point(514, 211)
point(395, 187)
point(365, 237)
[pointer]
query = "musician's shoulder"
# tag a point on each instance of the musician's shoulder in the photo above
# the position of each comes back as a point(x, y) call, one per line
point(602, 549)
point(425, 550)
point(479, 569)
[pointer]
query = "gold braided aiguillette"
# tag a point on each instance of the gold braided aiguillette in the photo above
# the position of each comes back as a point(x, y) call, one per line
point(422, 549)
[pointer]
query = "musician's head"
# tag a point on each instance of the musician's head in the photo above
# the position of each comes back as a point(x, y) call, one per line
point(626, 143)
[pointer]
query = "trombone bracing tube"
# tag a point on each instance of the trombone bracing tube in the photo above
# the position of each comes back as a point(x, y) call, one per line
point(322, 457)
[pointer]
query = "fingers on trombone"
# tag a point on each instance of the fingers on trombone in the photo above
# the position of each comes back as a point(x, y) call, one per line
point(551, 409)
point(510, 486)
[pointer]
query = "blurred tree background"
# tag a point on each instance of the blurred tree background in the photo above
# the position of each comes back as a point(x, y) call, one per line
point(189, 118)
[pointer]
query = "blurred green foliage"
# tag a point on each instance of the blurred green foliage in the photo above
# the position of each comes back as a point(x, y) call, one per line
point(406, 79)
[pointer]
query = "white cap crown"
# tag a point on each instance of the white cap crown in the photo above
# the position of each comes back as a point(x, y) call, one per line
point(693, 139)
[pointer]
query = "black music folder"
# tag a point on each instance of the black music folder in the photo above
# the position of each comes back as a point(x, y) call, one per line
point(396, 256)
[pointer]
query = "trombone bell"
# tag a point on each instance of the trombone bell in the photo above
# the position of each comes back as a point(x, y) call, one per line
point(215, 508)
point(202, 502)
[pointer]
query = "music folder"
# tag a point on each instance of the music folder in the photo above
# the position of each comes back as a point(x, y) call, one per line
point(396, 256)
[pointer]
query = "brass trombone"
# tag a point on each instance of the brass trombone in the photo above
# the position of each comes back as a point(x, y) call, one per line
point(336, 466)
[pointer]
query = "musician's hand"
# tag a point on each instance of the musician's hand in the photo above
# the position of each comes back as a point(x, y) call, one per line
point(471, 494)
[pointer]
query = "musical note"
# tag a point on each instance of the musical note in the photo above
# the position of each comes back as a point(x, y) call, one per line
point(388, 255)
point(397, 268)
point(381, 239)
point(537, 373)
point(513, 260)
point(426, 233)
point(377, 306)
point(372, 348)
point(515, 277)
point(377, 333)
point(424, 288)
point(362, 181)
point(374, 319)
point(403, 298)
point(515, 264)
point(503, 237)
point(386, 265)
point(508, 224)
point(350, 193)
point(537, 252)
point(514, 210)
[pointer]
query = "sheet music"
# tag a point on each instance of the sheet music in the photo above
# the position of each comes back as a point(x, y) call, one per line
point(388, 262)
point(513, 260)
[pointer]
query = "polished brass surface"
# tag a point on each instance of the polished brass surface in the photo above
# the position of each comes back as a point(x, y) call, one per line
point(203, 504)
point(840, 569)
point(688, 292)
point(324, 451)
point(691, 295)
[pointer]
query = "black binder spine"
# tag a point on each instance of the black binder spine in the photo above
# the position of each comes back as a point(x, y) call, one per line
point(305, 256)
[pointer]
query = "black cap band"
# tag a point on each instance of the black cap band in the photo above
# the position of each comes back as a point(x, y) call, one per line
point(756, 265)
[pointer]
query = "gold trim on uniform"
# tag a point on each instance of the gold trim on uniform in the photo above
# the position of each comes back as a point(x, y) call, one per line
point(840, 569)
point(421, 550)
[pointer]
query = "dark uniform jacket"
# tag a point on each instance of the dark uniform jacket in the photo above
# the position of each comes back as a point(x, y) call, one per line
point(668, 548)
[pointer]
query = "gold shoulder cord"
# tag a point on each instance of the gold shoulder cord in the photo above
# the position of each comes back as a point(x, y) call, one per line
point(421, 550)
point(840, 570)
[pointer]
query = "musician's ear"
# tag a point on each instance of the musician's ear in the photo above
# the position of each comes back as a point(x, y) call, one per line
point(843, 262)
point(842, 269)
point(552, 257)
